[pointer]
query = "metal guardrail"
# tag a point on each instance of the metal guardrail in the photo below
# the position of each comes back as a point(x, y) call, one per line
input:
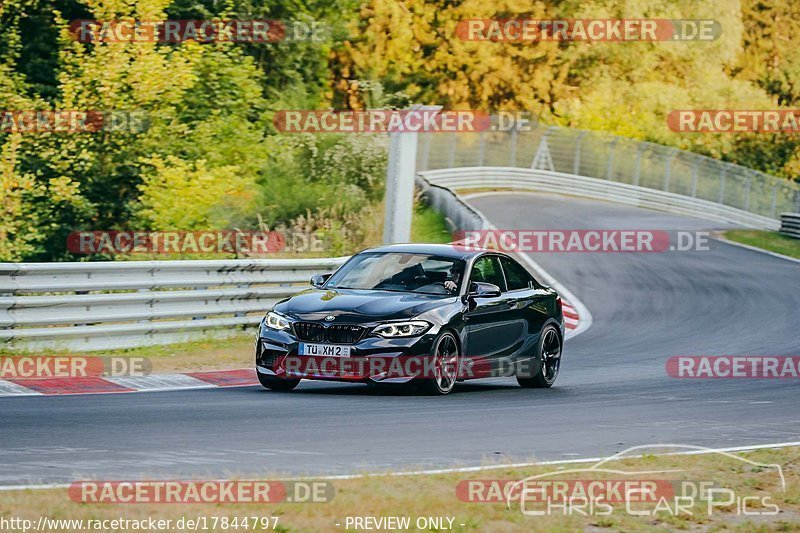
point(556, 182)
point(106, 305)
point(790, 224)
point(614, 159)
point(457, 214)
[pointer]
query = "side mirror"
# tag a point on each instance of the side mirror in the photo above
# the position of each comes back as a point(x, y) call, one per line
point(479, 289)
point(318, 280)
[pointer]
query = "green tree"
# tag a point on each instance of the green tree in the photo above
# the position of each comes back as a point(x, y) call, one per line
point(33, 204)
point(412, 46)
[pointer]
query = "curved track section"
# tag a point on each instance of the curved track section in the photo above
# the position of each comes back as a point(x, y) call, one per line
point(613, 391)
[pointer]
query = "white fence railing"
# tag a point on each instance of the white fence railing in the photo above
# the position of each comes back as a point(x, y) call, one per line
point(94, 306)
point(556, 182)
point(614, 159)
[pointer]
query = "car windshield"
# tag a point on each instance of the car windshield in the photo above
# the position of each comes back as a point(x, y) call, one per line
point(400, 272)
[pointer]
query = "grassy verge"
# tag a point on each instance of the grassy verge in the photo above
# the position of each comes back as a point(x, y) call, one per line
point(436, 496)
point(767, 240)
point(428, 225)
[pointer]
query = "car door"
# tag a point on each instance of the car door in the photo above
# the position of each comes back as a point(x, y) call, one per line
point(491, 331)
point(528, 304)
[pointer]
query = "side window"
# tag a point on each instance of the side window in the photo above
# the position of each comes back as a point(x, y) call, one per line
point(487, 270)
point(517, 277)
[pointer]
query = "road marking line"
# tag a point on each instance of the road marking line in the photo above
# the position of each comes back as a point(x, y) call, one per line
point(457, 470)
point(720, 238)
point(159, 382)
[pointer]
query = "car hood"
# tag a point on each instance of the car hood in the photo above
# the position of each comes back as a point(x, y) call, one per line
point(357, 306)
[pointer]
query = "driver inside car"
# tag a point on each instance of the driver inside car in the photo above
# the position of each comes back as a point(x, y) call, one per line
point(454, 277)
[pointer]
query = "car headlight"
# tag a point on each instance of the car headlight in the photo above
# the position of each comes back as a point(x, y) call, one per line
point(402, 329)
point(276, 321)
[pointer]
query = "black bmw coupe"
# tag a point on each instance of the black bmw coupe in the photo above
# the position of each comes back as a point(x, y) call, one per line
point(429, 314)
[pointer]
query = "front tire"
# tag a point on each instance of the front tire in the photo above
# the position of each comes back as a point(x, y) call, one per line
point(446, 366)
point(548, 350)
point(277, 384)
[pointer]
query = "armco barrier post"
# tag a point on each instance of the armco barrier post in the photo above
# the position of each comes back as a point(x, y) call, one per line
point(610, 167)
point(481, 148)
point(512, 159)
point(774, 200)
point(668, 168)
point(451, 161)
point(576, 168)
point(637, 172)
point(747, 192)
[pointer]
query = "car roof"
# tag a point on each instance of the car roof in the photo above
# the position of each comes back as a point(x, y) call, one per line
point(451, 251)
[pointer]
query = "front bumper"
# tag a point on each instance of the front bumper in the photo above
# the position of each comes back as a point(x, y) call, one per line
point(370, 360)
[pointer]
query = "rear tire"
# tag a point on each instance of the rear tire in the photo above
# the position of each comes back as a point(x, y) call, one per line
point(447, 364)
point(277, 384)
point(548, 351)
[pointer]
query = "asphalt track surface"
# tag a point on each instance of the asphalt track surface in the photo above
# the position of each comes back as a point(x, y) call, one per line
point(613, 391)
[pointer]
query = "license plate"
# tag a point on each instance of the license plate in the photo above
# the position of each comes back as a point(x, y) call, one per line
point(324, 350)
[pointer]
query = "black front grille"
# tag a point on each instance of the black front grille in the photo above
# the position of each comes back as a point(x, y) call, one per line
point(335, 334)
point(309, 331)
point(341, 334)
